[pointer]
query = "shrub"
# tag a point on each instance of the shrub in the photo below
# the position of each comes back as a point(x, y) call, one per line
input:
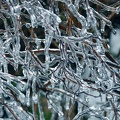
point(56, 51)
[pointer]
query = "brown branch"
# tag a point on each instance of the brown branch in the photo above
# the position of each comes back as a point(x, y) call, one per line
point(111, 15)
point(23, 107)
point(114, 108)
point(35, 110)
point(12, 112)
point(27, 46)
point(69, 25)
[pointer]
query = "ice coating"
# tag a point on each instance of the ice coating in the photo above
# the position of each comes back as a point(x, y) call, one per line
point(52, 51)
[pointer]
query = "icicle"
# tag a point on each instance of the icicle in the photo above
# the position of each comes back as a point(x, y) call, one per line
point(40, 107)
point(21, 97)
point(56, 108)
point(38, 43)
point(113, 30)
point(76, 3)
point(53, 80)
point(80, 114)
point(35, 97)
point(79, 17)
point(56, 8)
point(47, 45)
point(33, 20)
point(28, 97)
point(49, 104)
point(34, 94)
point(108, 8)
point(67, 104)
point(103, 26)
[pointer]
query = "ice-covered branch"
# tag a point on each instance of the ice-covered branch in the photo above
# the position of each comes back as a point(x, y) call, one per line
point(56, 50)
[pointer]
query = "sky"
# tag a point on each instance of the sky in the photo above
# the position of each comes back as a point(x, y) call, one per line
point(115, 42)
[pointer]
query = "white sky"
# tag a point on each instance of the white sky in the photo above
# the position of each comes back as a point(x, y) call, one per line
point(115, 42)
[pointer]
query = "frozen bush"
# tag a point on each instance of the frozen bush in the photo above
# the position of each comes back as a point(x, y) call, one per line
point(57, 50)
